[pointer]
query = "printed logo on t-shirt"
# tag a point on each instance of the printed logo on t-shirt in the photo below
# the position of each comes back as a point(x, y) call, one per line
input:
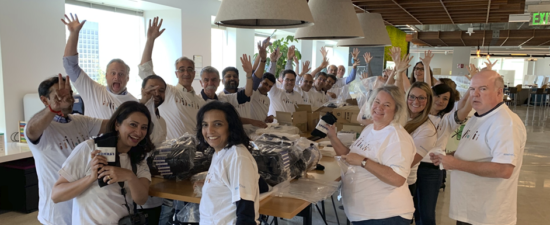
point(263, 101)
point(474, 136)
point(109, 104)
point(360, 144)
point(69, 143)
point(187, 103)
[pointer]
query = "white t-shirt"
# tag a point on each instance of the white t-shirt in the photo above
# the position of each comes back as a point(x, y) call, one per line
point(365, 196)
point(445, 126)
point(180, 106)
point(98, 205)
point(232, 176)
point(53, 148)
point(242, 109)
point(282, 101)
point(499, 137)
point(259, 106)
point(99, 102)
point(424, 137)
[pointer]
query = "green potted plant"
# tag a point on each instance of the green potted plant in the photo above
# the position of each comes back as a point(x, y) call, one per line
point(283, 45)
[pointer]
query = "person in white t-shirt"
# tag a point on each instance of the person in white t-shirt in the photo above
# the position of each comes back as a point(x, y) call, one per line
point(261, 85)
point(130, 126)
point(429, 179)
point(230, 194)
point(100, 101)
point(52, 134)
point(154, 87)
point(284, 99)
point(381, 158)
point(419, 103)
point(486, 165)
point(181, 102)
point(342, 83)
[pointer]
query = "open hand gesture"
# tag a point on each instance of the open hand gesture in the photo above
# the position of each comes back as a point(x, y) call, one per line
point(154, 28)
point(395, 53)
point(247, 64)
point(403, 64)
point(490, 64)
point(275, 55)
point(63, 97)
point(324, 52)
point(472, 70)
point(73, 24)
point(305, 67)
point(290, 54)
point(427, 58)
point(367, 57)
point(262, 46)
point(355, 54)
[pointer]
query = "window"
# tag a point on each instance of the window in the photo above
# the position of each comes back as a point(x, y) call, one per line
point(107, 35)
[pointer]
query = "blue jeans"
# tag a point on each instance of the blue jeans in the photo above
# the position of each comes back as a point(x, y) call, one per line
point(396, 220)
point(428, 182)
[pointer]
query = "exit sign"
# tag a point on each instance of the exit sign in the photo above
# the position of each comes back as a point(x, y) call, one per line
point(540, 18)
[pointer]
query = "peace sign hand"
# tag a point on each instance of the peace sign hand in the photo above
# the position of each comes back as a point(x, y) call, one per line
point(154, 29)
point(73, 24)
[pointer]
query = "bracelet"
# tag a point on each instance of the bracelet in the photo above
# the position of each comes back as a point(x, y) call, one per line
point(263, 60)
point(56, 112)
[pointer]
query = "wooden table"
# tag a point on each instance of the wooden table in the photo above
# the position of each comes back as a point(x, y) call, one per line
point(282, 207)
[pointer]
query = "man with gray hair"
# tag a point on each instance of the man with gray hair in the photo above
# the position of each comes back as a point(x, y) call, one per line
point(100, 101)
point(181, 103)
point(486, 165)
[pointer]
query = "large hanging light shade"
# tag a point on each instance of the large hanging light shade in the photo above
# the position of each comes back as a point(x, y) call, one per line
point(334, 19)
point(264, 14)
point(374, 32)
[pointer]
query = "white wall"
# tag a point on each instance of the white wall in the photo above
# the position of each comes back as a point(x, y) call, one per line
point(542, 67)
point(164, 55)
point(33, 40)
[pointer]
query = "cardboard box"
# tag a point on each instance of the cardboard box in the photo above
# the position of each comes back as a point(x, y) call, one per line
point(352, 101)
point(303, 115)
point(297, 119)
point(347, 114)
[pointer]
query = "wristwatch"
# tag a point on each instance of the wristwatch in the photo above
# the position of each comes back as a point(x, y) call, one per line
point(364, 163)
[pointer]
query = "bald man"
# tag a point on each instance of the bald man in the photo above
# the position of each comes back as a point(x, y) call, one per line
point(486, 166)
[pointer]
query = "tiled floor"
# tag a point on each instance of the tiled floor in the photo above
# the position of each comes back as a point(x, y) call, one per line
point(533, 190)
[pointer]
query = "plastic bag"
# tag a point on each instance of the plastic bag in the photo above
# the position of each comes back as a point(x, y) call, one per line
point(274, 155)
point(189, 213)
point(308, 189)
point(345, 167)
point(174, 157)
point(309, 152)
point(198, 182)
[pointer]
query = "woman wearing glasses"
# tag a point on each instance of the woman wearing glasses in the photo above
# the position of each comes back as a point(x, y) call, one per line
point(419, 126)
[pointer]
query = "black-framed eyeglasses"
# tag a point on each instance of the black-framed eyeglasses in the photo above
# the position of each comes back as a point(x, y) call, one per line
point(420, 98)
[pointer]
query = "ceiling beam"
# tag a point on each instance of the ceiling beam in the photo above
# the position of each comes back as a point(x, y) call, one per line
point(529, 38)
point(462, 39)
point(447, 11)
point(505, 40)
point(406, 11)
point(369, 12)
point(488, 11)
point(546, 42)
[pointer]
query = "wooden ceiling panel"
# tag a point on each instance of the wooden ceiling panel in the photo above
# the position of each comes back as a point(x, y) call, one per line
point(422, 12)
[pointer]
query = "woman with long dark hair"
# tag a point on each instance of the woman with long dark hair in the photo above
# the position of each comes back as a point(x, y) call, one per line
point(124, 182)
point(230, 194)
point(446, 118)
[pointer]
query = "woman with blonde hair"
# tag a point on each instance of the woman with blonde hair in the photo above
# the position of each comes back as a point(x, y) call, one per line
point(382, 158)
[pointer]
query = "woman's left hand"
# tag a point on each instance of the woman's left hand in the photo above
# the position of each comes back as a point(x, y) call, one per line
point(353, 159)
point(113, 174)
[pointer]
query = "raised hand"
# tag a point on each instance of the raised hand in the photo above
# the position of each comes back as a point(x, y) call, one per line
point(472, 70)
point(275, 55)
point(490, 64)
point(395, 53)
point(355, 54)
point(324, 52)
point(427, 58)
point(63, 97)
point(154, 28)
point(290, 53)
point(262, 46)
point(305, 67)
point(367, 57)
point(73, 24)
point(404, 64)
point(364, 75)
point(247, 64)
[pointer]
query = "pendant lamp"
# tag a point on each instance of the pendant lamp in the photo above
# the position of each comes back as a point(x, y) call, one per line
point(264, 14)
point(334, 19)
point(374, 32)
